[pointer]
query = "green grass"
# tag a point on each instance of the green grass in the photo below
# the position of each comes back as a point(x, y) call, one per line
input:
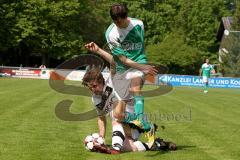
point(204, 126)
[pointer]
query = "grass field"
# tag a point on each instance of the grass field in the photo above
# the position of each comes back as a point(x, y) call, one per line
point(204, 126)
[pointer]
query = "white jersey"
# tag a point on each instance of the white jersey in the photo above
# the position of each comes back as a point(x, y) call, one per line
point(104, 103)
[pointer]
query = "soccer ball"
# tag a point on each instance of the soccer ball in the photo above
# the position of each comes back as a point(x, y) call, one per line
point(93, 139)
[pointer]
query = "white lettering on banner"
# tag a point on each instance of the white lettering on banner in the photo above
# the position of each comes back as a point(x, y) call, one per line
point(164, 78)
point(197, 80)
point(222, 81)
point(235, 82)
point(26, 72)
point(233, 86)
point(21, 72)
point(168, 78)
point(210, 81)
point(179, 79)
point(218, 85)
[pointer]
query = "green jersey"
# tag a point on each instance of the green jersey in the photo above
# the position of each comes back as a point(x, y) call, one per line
point(206, 69)
point(128, 42)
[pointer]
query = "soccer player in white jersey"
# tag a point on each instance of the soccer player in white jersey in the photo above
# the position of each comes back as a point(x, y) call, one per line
point(123, 91)
point(123, 137)
point(205, 71)
point(125, 38)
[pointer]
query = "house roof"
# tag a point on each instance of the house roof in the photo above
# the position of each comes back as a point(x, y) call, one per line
point(227, 21)
point(225, 24)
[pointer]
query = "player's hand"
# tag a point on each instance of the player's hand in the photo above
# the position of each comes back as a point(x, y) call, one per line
point(213, 72)
point(149, 69)
point(93, 47)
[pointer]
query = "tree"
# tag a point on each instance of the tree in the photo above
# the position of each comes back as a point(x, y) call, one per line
point(43, 27)
point(48, 28)
point(157, 17)
point(174, 53)
point(199, 20)
point(7, 21)
point(59, 29)
point(236, 17)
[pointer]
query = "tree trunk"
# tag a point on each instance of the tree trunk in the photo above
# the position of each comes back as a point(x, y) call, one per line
point(45, 59)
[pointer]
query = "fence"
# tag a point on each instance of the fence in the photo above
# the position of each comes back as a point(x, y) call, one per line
point(77, 75)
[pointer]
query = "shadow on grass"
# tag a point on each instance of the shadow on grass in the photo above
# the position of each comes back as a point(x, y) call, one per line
point(185, 147)
point(161, 152)
point(179, 148)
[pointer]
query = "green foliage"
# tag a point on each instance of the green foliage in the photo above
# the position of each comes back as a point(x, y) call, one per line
point(7, 20)
point(236, 20)
point(174, 53)
point(157, 17)
point(48, 28)
point(199, 21)
point(60, 28)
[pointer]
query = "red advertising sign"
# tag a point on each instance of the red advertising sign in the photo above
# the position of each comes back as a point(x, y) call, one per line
point(20, 72)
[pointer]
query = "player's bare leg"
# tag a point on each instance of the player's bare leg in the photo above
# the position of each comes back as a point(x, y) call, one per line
point(119, 110)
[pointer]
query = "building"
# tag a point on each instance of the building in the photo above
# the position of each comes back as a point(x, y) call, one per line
point(229, 48)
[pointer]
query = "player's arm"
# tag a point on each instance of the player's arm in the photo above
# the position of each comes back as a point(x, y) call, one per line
point(212, 70)
point(147, 69)
point(93, 47)
point(200, 72)
point(118, 51)
point(102, 123)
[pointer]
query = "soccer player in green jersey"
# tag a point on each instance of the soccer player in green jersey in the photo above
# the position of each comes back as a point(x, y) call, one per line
point(205, 72)
point(119, 111)
point(125, 37)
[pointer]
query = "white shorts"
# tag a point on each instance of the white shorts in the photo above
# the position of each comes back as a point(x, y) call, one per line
point(122, 83)
point(134, 73)
point(205, 79)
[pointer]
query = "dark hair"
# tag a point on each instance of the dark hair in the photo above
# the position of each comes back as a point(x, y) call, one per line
point(93, 74)
point(118, 11)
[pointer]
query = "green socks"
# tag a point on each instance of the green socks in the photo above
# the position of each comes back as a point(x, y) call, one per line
point(205, 87)
point(139, 107)
point(129, 117)
point(139, 111)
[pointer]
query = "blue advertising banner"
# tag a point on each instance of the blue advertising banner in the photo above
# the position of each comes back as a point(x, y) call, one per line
point(183, 80)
